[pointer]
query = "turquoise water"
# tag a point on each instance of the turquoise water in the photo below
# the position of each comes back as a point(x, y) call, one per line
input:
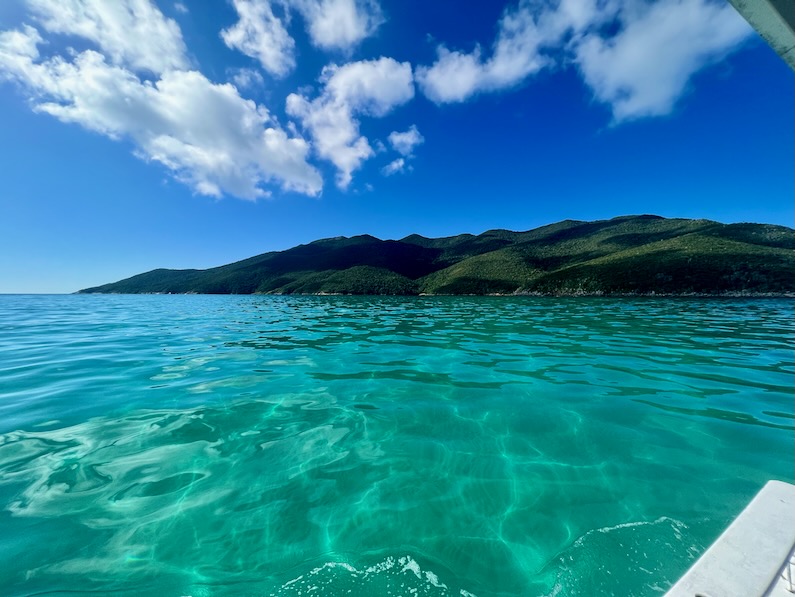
point(229, 445)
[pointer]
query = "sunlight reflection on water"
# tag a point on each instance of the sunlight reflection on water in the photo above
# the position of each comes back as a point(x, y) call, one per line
point(430, 446)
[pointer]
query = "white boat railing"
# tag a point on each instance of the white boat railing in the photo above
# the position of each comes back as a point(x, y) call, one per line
point(755, 555)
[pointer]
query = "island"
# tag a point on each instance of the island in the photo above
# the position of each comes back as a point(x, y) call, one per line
point(628, 255)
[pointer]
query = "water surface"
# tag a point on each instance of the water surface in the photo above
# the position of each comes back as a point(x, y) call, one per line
point(230, 445)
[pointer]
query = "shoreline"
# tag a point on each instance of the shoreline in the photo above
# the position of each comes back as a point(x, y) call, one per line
point(576, 294)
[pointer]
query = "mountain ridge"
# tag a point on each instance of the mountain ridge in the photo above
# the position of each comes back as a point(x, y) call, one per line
point(626, 255)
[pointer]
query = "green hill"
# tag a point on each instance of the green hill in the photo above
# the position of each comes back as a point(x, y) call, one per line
point(625, 255)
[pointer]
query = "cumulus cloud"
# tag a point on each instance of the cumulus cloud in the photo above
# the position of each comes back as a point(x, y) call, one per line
point(133, 33)
point(247, 78)
point(365, 88)
point(206, 134)
point(394, 167)
point(454, 77)
point(181, 8)
point(645, 68)
point(522, 32)
point(339, 24)
point(635, 55)
point(260, 34)
point(404, 143)
point(335, 133)
point(331, 24)
point(371, 87)
point(526, 35)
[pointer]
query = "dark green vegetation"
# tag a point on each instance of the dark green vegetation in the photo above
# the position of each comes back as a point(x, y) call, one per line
point(626, 255)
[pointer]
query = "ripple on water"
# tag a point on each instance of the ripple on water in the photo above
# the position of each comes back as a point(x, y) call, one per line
point(427, 446)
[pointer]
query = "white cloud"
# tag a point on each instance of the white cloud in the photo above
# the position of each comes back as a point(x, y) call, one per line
point(181, 8)
point(404, 143)
point(335, 133)
point(133, 33)
point(370, 88)
point(339, 24)
point(206, 134)
point(454, 77)
point(19, 47)
point(260, 34)
point(331, 24)
point(640, 65)
point(645, 68)
point(247, 78)
point(527, 37)
point(457, 76)
point(394, 167)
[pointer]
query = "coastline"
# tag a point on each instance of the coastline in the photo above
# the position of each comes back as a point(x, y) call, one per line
point(535, 294)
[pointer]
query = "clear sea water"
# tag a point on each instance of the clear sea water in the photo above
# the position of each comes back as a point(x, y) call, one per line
point(253, 445)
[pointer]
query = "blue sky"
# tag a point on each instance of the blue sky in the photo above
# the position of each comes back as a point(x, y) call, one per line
point(140, 134)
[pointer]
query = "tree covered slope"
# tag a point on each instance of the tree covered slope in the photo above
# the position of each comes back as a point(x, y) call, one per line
point(625, 255)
